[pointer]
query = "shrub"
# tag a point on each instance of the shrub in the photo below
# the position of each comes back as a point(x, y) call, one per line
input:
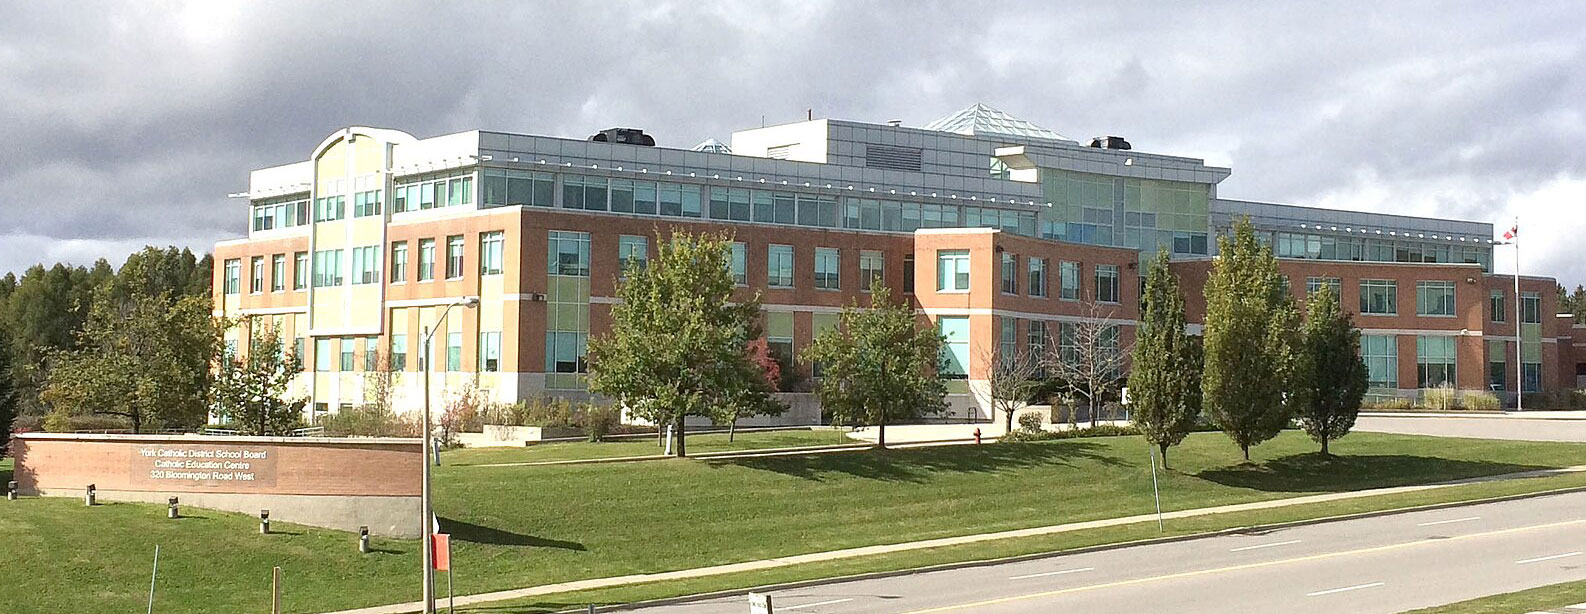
point(1441, 398)
point(61, 422)
point(1556, 399)
point(1388, 402)
point(1480, 400)
point(370, 421)
point(1031, 421)
point(600, 421)
point(1100, 430)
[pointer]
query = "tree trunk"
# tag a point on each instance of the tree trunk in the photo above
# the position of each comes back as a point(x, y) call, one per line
point(1092, 396)
point(1246, 449)
point(681, 452)
point(881, 434)
point(732, 429)
point(1010, 421)
point(1164, 455)
point(1325, 454)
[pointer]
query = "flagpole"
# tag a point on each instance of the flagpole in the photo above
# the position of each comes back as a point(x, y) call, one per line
point(1519, 355)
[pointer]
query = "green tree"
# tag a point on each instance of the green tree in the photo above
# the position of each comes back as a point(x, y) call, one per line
point(250, 389)
point(1164, 389)
point(878, 365)
point(145, 360)
point(1250, 337)
point(171, 272)
point(678, 340)
point(1335, 378)
point(44, 314)
point(8, 397)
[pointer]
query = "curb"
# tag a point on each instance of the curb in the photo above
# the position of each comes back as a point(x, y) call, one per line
point(1072, 551)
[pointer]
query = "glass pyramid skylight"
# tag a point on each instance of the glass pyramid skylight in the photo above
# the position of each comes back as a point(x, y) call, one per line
point(712, 146)
point(981, 119)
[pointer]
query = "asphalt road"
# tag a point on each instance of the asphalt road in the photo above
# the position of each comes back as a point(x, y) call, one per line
point(1483, 428)
point(1377, 565)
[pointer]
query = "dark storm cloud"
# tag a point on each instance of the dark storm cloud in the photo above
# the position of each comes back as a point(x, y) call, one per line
point(129, 123)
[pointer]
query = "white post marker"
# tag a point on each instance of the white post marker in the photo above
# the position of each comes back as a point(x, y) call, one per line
point(760, 603)
point(1155, 491)
point(152, 575)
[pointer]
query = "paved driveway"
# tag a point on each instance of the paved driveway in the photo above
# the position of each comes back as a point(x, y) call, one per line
point(1496, 427)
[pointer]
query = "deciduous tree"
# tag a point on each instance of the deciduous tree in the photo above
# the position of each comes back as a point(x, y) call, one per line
point(878, 365)
point(1089, 357)
point(1334, 377)
point(1251, 340)
point(1164, 391)
point(251, 390)
point(677, 341)
point(1010, 380)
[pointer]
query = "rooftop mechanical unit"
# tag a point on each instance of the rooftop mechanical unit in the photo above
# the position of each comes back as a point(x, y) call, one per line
point(630, 136)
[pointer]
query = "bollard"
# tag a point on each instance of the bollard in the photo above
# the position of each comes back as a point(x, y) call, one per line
point(264, 522)
point(171, 511)
point(11, 490)
point(363, 539)
point(88, 497)
point(977, 435)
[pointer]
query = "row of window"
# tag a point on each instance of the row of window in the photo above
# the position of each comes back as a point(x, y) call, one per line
point(431, 191)
point(285, 213)
point(1436, 363)
point(1432, 298)
point(1370, 249)
point(952, 275)
point(956, 348)
point(326, 266)
point(344, 358)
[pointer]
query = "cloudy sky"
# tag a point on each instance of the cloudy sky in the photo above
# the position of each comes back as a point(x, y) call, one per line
point(127, 124)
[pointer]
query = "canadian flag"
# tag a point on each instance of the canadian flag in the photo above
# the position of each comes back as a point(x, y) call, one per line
point(1513, 232)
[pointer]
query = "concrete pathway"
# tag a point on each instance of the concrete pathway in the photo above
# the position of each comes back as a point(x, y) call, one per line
point(848, 553)
point(1522, 428)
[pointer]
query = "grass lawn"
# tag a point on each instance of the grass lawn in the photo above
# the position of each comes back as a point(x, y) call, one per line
point(643, 446)
point(520, 526)
point(1553, 597)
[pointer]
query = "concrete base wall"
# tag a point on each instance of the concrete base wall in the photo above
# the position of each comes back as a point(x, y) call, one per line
point(385, 516)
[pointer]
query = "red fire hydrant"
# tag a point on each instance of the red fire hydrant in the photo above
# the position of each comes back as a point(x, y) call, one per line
point(977, 435)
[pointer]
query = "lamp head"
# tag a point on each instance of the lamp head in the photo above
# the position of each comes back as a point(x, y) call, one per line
point(470, 301)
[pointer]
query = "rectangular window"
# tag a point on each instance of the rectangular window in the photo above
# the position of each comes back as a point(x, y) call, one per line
point(454, 351)
point(1036, 284)
point(346, 364)
point(633, 252)
point(1531, 376)
point(297, 351)
point(1008, 337)
point(322, 357)
point(399, 352)
point(233, 282)
point(568, 254)
point(513, 187)
point(908, 274)
point(299, 270)
point(371, 354)
point(1107, 283)
point(827, 268)
point(490, 252)
point(256, 271)
point(1010, 273)
point(365, 204)
point(1434, 298)
point(1381, 354)
point(366, 265)
point(1035, 339)
point(454, 257)
point(1497, 365)
point(490, 352)
point(872, 269)
point(278, 272)
point(1497, 306)
point(952, 270)
point(330, 208)
point(564, 351)
point(588, 193)
point(779, 266)
point(1379, 296)
point(740, 265)
point(327, 268)
point(1434, 359)
point(1530, 308)
point(426, 259)
point(1315, 284)
point(1068, 281)
point(955, 348)
point(399, 262)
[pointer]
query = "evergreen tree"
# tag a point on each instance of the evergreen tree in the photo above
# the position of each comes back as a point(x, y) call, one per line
point(1335, 378)
point(1251, 335)
point(679, 342)
point(1164, 385)
point(878, 365)
point(8, 397)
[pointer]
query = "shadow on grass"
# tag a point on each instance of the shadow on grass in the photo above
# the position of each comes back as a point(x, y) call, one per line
point(1311, 472)
point(920, 464)
point(469, 532)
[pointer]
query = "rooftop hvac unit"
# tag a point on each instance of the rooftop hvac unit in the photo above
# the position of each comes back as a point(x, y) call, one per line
point(1109, 142)
point(630, 136)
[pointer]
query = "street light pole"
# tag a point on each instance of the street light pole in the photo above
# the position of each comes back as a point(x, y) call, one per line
point(427, 524)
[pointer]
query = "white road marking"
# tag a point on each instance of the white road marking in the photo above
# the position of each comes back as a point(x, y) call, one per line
point(1340, 590)
point(1259, 546)
point(1547, 558)
point(1578, 606)
point(1052, 573)
point(818, 603)
point(1437, 522)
